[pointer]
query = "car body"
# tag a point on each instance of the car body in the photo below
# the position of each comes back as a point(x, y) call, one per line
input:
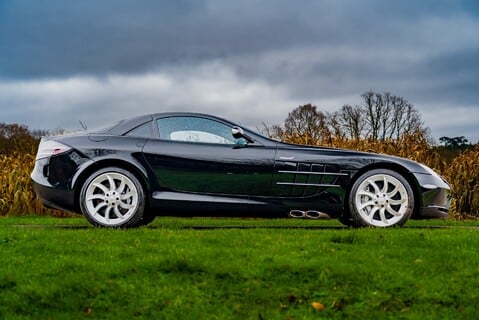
point(192, 164)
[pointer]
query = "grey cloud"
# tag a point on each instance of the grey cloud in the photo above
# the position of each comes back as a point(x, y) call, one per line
point(274, 54)
point(61, 38)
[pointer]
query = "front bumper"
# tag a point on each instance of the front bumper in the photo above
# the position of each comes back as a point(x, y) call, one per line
point(435, 197)
point(435, 204)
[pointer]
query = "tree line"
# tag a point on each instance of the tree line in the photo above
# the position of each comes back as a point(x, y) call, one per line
point(379, 116)
point(18, 138)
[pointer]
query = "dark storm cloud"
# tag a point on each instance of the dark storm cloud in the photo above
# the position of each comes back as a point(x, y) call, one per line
point(60, 38)
point(69, 57)
point(459, 76)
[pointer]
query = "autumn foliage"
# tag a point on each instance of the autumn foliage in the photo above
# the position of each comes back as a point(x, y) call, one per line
point(460, 168)
point(17, 157)
point(461, 171)
point(389, 124)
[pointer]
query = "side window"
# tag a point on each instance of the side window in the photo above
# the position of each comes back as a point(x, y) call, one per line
point(194, 129)
point(143, 131)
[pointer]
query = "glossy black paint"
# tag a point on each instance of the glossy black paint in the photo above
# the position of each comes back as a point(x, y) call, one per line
point(211, 168)
point(265, 177)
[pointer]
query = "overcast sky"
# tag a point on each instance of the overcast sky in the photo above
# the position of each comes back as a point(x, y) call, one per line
point(249, 61)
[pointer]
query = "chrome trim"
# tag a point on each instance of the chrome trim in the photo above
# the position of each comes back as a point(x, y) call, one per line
point(309, 214)
point(307, 184)
point(433, 212)
point(315, 173)
point(193, 197)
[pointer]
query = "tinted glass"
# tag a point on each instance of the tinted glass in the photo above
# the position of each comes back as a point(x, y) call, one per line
point(194, 129)
point(143, 131)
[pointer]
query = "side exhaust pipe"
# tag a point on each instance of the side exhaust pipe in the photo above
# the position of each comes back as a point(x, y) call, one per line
point(309, 214)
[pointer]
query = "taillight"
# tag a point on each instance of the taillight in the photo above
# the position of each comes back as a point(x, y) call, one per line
point(49, 148)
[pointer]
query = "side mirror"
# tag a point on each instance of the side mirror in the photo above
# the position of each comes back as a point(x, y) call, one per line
point(238, 133)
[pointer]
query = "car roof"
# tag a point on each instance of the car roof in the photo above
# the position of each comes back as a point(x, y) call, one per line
point(187, 114)
point(126, 125)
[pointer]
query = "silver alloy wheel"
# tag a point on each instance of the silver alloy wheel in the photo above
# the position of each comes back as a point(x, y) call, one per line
point(382, 200)
point(111, 199)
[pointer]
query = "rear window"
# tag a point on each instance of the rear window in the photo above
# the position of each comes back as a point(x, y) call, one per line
point(143, 131)
point(106, 128)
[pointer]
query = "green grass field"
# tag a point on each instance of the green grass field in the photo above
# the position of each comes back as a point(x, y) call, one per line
point(201, 268)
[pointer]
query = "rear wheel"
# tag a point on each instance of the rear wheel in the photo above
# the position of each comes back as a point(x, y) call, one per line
point(381, 198)
point(113, 197)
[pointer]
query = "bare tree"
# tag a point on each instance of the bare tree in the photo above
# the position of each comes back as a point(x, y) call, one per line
point(351, 121)
point(381, 116)
point(388, 116)
point(387, 119)
point(372, 111)
point(275, 131)
point(335, 125)
point(308, 122)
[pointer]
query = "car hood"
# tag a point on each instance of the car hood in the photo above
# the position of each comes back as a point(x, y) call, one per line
point(304, 153)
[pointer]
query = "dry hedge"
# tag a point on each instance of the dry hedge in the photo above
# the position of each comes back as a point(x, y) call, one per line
point(16, 192)
point(462, 172)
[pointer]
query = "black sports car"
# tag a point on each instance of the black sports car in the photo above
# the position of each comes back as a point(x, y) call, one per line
point(195, 164)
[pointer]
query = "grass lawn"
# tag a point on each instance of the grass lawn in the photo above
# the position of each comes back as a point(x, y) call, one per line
point(237, 269)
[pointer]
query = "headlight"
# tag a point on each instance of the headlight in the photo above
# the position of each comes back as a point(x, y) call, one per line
point(430, 171)
point(435, 175)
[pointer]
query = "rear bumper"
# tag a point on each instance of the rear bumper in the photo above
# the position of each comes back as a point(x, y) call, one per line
point(54, 195)
point(55, 198)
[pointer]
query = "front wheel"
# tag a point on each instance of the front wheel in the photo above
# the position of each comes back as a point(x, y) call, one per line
point(113, 197)
point(381, 198)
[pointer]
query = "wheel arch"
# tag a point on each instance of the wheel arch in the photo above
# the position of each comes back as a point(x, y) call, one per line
point(136, 170)
point(390, 166)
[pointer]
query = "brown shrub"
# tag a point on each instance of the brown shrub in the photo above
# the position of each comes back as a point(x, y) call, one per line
point(16, 191)
point(462, 172)
point(17, 196)
point(463, 175)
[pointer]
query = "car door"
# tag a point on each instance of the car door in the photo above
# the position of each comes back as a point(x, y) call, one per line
point(199, 155)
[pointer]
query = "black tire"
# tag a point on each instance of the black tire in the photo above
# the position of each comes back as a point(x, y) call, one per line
point(113, 197)
point(347, 221)
point(148, 218)
point(381, 198)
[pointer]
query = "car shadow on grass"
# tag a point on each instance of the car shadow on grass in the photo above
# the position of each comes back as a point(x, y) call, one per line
point(79, 227)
